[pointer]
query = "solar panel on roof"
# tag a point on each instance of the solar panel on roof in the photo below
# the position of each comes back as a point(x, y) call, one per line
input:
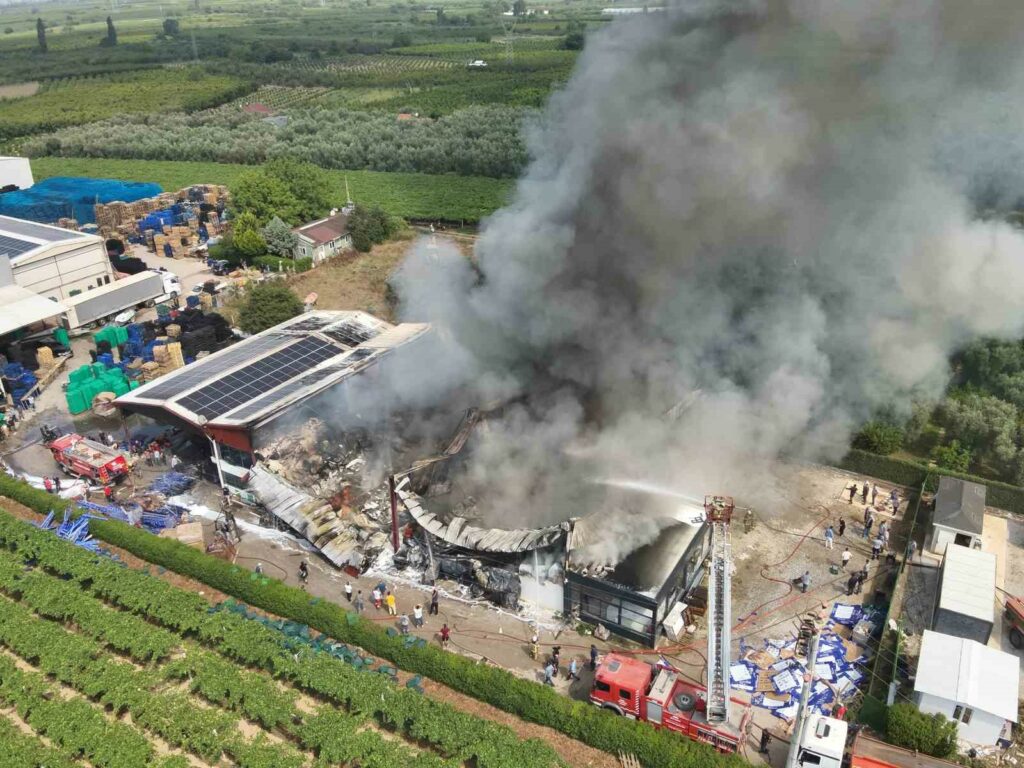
point(241, 386)
point(267, 400)
point(38, 231)
point(204, 370)
point(350, 332)
point(313, 323)
point(12, 246)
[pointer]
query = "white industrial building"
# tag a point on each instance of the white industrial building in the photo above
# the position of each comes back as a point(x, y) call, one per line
point(55, 263)
point(971, 684)
point(966, 594)
point(15, 172)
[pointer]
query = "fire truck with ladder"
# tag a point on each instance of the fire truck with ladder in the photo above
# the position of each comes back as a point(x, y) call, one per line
point(79, 456)
point(659, 695)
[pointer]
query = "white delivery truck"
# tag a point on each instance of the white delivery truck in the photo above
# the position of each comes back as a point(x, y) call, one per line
point(145, 288)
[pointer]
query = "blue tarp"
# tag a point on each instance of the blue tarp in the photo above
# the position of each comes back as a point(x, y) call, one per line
point(71, 197)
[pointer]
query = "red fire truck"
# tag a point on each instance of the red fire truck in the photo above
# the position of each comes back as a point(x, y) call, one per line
point(639, 690)
point(82, 457)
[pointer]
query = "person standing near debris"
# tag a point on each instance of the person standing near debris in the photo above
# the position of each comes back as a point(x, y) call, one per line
point(869, 520)
point(846, 557)
point(549, 674)
point(830, 536)
point(593, 657)
point(911, 550)
point(434, 599)
point(556, 653)
point(766, 739)
point(874, 493)
point(864, 492)
point(175, 461)
point(805, 581)
point(534, 647)
point(48, 484)
point(851, 583)
point(56, 483)
point(303, 573)
point(403, 624)
point(446, 635)
point(842, 526)
point(259, 569)
point(574, 669)
point(376, 597)
point(390, 600)
point(108, 493)
point(382, 588)
point(348, 591)
point(853, 492)
point(876, 547)
point(417, 615)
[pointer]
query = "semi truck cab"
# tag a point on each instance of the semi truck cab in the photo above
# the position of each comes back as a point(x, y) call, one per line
point(823, 742)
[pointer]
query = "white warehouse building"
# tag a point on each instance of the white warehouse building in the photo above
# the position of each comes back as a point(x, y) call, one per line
point(53, 262)
point(971, 684)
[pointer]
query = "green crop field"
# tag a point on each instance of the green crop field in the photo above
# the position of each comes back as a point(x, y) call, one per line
point(84, 637)
point(410, 195)
point(76, 100)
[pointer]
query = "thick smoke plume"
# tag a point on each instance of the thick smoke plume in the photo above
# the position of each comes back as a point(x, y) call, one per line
point(746, 227)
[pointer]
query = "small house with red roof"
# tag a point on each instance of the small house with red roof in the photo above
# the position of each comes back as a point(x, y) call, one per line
point(320, 240)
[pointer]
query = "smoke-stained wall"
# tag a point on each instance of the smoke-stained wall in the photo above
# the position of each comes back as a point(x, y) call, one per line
point(773, 203)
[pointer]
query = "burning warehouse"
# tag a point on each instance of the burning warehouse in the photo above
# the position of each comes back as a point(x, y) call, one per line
point(616, 555)
point(265, 407)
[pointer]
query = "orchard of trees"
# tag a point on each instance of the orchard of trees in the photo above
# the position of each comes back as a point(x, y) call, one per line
point(478, 141)
point(978, 427)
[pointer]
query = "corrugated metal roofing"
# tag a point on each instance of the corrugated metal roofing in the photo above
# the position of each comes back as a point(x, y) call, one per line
point(460, 533)
point(968, 673)
point(317, 522)
point(968, 582)
point(959, 505)
point(20, 307)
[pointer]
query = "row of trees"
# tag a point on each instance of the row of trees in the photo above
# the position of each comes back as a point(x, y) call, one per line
point(977, 427)
point(170, 27)
point(479, 141)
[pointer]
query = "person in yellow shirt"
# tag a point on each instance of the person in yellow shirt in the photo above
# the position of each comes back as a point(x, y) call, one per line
point(390, 600)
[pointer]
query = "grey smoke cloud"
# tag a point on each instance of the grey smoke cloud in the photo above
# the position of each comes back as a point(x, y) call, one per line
point(771, 202)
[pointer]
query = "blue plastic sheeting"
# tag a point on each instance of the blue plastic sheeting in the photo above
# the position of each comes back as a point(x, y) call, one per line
point(172, 484)
point(71, 197)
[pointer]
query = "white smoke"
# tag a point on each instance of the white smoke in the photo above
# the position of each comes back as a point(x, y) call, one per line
point(768, 202)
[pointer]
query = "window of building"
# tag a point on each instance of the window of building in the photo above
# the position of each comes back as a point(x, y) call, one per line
point(968, 714)
point(957, 711)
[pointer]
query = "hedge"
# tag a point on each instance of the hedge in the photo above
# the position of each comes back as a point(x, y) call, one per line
point(528, 700)
point(913, 474)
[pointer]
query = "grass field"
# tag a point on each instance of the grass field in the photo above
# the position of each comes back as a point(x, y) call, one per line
point(410, 195)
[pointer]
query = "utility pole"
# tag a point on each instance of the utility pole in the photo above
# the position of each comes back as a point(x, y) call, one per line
point(509, 25)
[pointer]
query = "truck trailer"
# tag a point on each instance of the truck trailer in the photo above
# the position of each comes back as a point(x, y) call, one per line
point(824, 744)
point(95, 306)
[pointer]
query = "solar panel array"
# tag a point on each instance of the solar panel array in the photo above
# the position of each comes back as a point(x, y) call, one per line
point(245, 384)
point(298, 385)
point(38, 231)
point(313, 323)
point(12, 246)
point(351, 333)
point(202, 370)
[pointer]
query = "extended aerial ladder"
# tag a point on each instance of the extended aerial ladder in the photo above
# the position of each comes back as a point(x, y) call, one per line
point(718, 510)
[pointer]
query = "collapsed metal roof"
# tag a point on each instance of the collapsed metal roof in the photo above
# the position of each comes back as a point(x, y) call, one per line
point(459, 531)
